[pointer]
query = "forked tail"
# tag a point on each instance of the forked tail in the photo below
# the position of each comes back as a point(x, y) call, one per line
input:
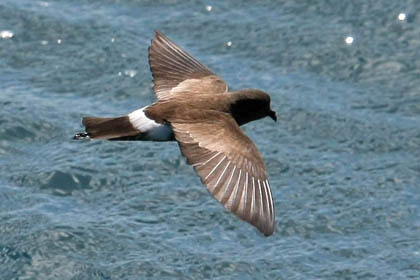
point(119, 128)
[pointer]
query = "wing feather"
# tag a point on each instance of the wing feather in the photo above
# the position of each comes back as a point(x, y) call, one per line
point(229, 164)
point(172, 66)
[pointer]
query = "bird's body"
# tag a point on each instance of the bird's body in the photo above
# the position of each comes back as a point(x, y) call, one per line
point(195, 108)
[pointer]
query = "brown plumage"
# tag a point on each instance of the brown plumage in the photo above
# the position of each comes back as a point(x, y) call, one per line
point(174, 70)
point(195, 108)
point(109, 128)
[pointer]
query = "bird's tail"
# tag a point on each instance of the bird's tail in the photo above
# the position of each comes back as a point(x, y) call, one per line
point(119, 128)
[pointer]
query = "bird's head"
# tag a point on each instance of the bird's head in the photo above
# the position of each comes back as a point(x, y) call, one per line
point(251, 104)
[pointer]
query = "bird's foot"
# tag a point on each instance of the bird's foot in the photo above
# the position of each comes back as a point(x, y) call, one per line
point(81, 136)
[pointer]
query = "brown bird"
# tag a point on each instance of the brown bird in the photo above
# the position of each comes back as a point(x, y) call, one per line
point(195, 108)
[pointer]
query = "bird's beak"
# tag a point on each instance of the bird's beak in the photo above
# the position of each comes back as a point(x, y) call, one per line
point(273, 115)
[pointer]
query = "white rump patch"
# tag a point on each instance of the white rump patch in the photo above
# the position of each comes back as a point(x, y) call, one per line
point(150, 129)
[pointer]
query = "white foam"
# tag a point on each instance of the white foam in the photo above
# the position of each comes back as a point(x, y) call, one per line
point(402, 16)
point(6, 34)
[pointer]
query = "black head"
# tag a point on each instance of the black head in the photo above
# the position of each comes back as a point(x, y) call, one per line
point(251, 104)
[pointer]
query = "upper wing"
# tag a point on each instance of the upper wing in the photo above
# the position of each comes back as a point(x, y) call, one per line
point(229, 164)
point(174, 70)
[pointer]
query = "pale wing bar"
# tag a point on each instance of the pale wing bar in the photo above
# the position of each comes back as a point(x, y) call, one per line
point(243, 190)
point(171, 65)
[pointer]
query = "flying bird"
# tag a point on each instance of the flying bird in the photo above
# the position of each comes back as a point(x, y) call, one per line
point(195, 108)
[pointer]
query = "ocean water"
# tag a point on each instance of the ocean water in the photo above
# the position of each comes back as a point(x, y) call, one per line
point(343, 158)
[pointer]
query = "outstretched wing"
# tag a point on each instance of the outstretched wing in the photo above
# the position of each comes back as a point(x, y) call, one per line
point(229, 164)
point(174, 70)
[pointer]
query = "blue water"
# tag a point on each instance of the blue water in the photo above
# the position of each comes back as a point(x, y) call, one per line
point(343, 159)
